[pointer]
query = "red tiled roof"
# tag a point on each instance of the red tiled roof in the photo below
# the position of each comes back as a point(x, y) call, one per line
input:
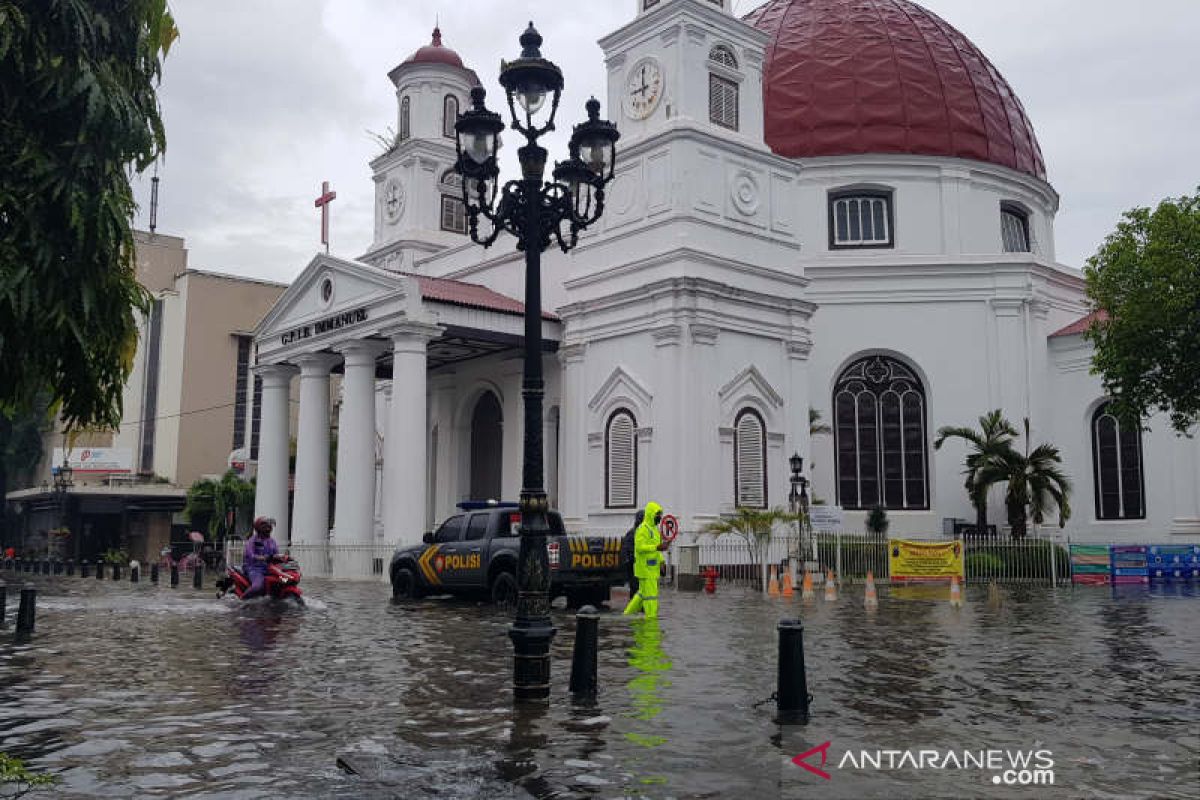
point(471, 295)
point(1081, 325)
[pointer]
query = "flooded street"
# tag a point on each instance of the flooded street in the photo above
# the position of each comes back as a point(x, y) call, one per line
point(144, 691)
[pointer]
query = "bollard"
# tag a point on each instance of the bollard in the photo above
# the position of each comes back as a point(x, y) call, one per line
point(70, 568)
point(83, 569)
point(26, 566)
point(27, 611)
point(47, 567)
point(154, 573)
point(8, 563)
point(99, 570)
point(583, 658)
point(135, 572)
point(116, 572)
point(198, 577)
point(3, 602)
point(791, 696)
point(174, 575)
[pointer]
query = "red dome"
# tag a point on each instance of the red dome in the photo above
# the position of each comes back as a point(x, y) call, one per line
point(435, 53)
point(885, 76)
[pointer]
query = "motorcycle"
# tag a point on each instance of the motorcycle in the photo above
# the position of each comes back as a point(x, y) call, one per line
point(283, 581)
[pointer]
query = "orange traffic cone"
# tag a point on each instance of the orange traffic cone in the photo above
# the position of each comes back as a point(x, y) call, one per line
point(788, 591)
point(955, 593)
point(830, 587)
point(773, 584)
point(806, 587)
point(871, 599)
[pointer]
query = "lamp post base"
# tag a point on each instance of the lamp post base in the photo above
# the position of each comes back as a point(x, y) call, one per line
point(531, 661)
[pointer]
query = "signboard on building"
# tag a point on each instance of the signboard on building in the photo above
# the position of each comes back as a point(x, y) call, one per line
point(826, 519)
point(323, 326)
point(96, 459)
point(924, 561)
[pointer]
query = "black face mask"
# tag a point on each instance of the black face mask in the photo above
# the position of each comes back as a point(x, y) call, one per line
point(658, 518)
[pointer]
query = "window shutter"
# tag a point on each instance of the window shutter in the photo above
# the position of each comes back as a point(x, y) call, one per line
point(751, 455)
point(723, 101)
point(622, 462)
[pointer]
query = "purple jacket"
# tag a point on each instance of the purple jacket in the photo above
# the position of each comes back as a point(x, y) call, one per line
point(258, 546)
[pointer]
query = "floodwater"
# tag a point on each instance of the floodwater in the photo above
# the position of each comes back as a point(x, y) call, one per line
point(144, 691)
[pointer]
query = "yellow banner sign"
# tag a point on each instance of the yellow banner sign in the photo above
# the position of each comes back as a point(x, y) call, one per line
point(924, 561)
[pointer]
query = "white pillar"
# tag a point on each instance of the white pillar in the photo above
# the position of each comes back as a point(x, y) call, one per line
point(571, 500)
point(271, 493)
point(405, 461)
point(354, 517)
point(311, 526)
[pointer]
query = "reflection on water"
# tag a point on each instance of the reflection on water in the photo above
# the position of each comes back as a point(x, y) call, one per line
point(142, 691)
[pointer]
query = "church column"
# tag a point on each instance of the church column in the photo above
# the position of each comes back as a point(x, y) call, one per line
point(271, 493)
point(354, 515)
point(311, 527)
point(571, 501)
point(405, 467)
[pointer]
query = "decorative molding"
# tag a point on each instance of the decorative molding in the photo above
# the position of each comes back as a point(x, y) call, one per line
point(775, 439)
point(800, 349)
point(704, 334)
point(670, 34)
point(750, 378)
point(667, 335)
point(746, 194)
point(595, 439)
point(644, 434)
point(619, 380)
point(574, 353)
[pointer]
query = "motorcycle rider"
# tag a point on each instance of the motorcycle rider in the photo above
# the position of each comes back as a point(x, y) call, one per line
point(647, 544)
point(260, 549)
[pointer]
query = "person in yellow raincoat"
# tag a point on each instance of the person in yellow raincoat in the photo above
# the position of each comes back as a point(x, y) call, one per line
point(647, 544)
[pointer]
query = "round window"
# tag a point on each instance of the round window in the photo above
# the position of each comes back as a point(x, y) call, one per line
point(326, 290)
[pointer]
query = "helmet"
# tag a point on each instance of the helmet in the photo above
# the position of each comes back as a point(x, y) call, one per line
point(264, 524)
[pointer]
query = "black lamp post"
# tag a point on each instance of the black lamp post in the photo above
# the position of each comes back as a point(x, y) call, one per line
point(798, 498)
point(537, 214)
point(63, 480)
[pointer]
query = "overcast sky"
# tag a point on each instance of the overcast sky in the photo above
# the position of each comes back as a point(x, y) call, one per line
point(264, 99)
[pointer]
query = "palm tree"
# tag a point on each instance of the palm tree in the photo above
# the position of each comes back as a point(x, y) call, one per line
point(815, 425)
point(993, 440)
point(1036, 483)
point(754, 526)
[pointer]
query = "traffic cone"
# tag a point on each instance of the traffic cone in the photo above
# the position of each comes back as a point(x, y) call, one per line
point(788, 591)
point(955, 593)
point(871, 599)
point(806, 587)
point(773, 584)
point(830, 587)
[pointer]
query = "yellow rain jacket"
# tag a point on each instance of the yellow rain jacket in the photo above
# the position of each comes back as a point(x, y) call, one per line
point(646, 557)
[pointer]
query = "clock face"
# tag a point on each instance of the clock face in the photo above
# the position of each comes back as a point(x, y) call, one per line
point(643, 89)
point(393, 199)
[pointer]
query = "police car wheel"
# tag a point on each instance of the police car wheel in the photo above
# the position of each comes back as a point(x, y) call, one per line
point(504, 590)
point(404, 585)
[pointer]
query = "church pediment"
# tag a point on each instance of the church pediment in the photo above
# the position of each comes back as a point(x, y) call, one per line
point(621, 384)
point(329, 286)
point(751, 382)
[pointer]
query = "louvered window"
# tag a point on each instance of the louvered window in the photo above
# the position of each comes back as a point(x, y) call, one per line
point(1117, 458)
point(405, 119)
point(450, 116)
point(750, 461)
point(723, 101)
point(1014, 230)
point(620, 461)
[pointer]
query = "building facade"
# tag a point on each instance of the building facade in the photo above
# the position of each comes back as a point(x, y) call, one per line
point(836, 205)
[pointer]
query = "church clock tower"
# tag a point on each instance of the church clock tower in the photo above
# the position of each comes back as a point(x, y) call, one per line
point(418, 205)
point(686, 60)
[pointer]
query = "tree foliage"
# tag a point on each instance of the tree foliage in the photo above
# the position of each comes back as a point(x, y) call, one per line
point(1146, 277)
point(993, 439)
point(78, 112)
point(220, 507)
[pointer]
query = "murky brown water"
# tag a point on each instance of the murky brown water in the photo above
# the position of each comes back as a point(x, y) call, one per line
point(143, 691)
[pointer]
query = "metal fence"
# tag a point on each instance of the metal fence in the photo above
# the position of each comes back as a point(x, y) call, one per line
point(348, 561)
point(851, 556)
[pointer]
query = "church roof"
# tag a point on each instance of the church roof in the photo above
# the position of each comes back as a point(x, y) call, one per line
point(1081, 325)
point(470, 295)
point(847, 77)
point(436, 53)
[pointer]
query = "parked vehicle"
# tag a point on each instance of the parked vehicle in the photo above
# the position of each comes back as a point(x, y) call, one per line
point(475, 552)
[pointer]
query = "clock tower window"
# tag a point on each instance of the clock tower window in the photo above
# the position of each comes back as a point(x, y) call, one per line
point(405, 119)
point(723, 101)
point(449, 116)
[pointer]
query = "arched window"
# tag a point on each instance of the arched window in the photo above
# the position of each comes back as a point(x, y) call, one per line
point(405, 119)
point(1117, 460)
point(454, 213)
point(1014, 229)
point(881, 448)
point(620, 460)
point(449, 115)
point(724, 56)
point(749, 460)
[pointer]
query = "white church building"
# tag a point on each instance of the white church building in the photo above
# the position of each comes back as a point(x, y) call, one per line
point(829, 204)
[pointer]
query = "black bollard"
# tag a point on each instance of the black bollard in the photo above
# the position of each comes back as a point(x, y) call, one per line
point(198, 577)
point(58, 568)
point(116, 572)
point(26, 566)
point(3, 602)
point(27, 611)
point(583, 658)
point(174, 575)
point(792, 692)
point(46, 567)
point(99, 570)
point(8, 563)
point(154, 573)
point(135, 573)
point(70, 568)
point(83, 569)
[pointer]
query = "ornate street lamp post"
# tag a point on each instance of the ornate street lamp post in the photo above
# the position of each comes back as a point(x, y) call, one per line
point(798, 502)
point(537, 214)
point(63, 480)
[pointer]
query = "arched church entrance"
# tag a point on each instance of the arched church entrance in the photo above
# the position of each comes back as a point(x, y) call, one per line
point(487, 448)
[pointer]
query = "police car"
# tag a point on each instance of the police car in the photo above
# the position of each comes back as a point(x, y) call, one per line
point(475, 552)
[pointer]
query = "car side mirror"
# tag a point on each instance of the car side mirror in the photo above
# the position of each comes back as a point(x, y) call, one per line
point(428, 537)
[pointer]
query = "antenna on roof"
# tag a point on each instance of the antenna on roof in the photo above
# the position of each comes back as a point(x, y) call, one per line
point(154, 200)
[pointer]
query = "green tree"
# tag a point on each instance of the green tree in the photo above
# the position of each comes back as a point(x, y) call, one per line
point(753, 526)
point(78, 111)
point(1036, 485)
point(20, 779)
point(993, 440)
point(1146, 280)
point(21, 450)
point(220, 508)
